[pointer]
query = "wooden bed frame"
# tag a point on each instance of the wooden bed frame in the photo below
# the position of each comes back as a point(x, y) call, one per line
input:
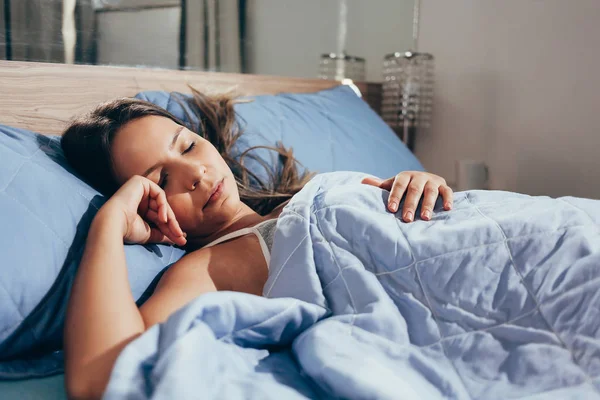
point(43, 97)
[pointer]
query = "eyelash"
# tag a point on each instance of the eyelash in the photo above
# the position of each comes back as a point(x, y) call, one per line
point(163, 182)
point(190, 148)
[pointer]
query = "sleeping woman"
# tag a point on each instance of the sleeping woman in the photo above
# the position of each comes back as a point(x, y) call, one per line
point(169, 184)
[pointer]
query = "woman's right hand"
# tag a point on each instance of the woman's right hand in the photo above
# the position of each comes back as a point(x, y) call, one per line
point(141, 202)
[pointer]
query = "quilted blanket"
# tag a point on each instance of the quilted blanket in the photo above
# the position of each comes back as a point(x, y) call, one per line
point(498, 298)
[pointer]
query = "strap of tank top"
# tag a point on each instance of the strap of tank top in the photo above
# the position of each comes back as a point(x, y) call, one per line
point(242, 232)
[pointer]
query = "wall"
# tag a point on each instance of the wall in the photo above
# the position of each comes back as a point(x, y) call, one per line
point(516, 86)
point(377, 28)
point(140, 37)
point(287, 37)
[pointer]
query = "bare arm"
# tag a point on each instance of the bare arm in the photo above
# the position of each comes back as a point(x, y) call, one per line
point(182, 283)
point(102, 317)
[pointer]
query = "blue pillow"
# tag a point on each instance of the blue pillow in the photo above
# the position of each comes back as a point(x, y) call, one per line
point(330, 130)
point(46, 212)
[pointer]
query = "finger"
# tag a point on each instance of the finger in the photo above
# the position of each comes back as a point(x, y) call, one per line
point(171, 227)
point(175, 238)
point(385, 184)
point(430, 195)
point(152, 204)
point(413, 195)
point(398, 188)
point(372, 180)
point(162, 207)
point(166, 214)
point(163, 227)
point(142, 208)
point(152, 216)
point(447, 196)
point(172, 222)
point(157, 199)
point(163, 213)
point(156, 236)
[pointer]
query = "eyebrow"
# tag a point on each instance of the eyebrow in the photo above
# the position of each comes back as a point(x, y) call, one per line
point(171, 147)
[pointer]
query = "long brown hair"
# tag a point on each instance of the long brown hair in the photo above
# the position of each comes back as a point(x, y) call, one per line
point(87, 146)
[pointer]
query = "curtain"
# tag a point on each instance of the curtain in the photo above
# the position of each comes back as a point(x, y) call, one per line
point(38, 31)
point(65, 31)
point(212, 35)
point(4, 51)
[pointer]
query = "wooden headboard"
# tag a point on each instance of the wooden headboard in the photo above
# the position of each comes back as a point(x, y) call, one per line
point(44, 97)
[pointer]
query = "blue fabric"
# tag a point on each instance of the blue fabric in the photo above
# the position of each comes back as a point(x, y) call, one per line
point(495, 299)
point(330, 130)
point(46, 212)
point(49, 210)
point(50, 388)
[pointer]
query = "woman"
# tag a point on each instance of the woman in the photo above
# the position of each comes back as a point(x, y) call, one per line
point(168, 184)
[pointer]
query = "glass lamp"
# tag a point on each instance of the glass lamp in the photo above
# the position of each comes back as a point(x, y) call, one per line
point(407, 93)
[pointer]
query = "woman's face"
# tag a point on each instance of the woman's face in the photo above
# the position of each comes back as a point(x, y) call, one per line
point(199, 185)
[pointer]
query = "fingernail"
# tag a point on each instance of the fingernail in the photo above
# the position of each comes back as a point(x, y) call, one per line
point(448, 206)
point(408, 216)
point(426, 215)
point(394, 206)
point(184, 234)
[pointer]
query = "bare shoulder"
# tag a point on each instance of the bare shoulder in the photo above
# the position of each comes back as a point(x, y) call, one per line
point(223, 264)
point(190, 268)
point(187, 279)
point(237, 265)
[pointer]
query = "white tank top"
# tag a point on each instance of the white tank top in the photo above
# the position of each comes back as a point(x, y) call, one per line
point(264, 231)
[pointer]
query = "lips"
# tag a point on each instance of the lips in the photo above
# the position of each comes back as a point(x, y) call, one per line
point(215, 193)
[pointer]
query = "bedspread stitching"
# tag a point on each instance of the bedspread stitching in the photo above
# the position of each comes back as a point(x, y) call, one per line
point(352, 303)
point(579, 209)
point(353, 265)
point(487, 328)
point(13, 176)
point(437, 324)
point(514, 266)
point(267, 294)
point(483, 245)
point(39, 220)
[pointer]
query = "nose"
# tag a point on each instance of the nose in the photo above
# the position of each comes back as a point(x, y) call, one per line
point(197, 173)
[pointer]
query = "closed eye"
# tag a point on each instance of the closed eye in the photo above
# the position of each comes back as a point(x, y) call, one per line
point(163, 181)
point(190, 148)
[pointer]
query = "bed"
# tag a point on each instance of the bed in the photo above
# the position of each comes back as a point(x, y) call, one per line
point(30, 89)
point(497, 298)
point(42, 97)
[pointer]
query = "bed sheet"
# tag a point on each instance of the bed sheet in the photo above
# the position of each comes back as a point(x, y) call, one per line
point(51, 388)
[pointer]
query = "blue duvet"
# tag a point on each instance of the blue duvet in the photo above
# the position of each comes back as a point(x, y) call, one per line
point(498, 298)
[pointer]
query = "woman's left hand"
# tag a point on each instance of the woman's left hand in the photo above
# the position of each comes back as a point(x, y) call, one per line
point(414, 184)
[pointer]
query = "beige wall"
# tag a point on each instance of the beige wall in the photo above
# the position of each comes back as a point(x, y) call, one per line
point(518, 86)
point(287, 37)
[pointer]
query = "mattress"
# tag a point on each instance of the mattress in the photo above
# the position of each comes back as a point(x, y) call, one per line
point(51, 388)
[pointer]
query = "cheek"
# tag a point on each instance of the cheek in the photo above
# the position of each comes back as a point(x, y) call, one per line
point(233, 190)
point(184, 211)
